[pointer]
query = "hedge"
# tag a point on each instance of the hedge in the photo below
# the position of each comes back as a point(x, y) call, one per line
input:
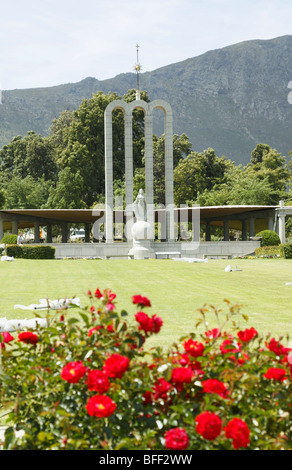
point(286, 250)
point(31, 251)
point(9, 239)
point(269, 238)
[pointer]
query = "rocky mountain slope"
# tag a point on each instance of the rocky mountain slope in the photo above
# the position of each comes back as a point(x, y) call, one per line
point(229, 99)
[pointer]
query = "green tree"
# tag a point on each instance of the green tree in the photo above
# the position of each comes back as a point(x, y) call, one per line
point(269, 165)
point(181, 148)
point(31, 155)
point(26, 193)
point(197, 173)
point(81, 143)
point(240, 188)
point(68, 191)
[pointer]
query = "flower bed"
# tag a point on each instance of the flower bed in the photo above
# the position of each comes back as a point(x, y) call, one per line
point(91, 383)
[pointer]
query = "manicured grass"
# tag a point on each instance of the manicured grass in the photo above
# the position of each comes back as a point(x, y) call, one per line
point(176, 289)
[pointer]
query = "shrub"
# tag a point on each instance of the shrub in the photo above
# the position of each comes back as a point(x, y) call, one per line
point(269, 238)
point(269, 252)
point(286, 250)
point(9, 239)
point(31, 251)
point(89, 382)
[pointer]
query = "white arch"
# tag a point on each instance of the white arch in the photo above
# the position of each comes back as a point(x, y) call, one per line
point(128, 109)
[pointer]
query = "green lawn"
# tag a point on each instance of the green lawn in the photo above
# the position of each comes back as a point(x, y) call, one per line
point(176, 289)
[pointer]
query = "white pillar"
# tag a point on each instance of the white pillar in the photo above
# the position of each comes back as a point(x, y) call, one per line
point(169, 175)
point(129, 174)
point(282, 228)
point(149, 191)
point(281, 224)
point(108, 176)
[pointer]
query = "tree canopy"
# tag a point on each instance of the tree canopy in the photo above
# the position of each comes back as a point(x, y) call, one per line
point(66, 169)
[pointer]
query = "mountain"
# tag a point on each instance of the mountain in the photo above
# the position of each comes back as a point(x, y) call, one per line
point(229, 99)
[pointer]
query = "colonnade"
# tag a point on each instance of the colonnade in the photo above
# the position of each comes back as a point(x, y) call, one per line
point(148, 109)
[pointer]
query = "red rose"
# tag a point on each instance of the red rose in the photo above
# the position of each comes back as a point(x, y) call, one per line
point(157, 324)
point(95, 328)
point(116, 365)
point(240, 360)
point(214, 333)
point(141, 301)
point(176, 439)
point(238, 431)
point(183, 359)
point(146, 323)
point(181, 375)
point(73, 372)
point(247, 334)
point(100, 406)
point(228, 346)
point(110, 295)
point(98, 294)
point(160, 389)
point(215, 386)
point(110, 306)
point(98, 381)
point(147, 397)
point(209, 425)
point(277, 347)
point(7, 337)
point(28, 337)
point(276, 374)
point(194, 348)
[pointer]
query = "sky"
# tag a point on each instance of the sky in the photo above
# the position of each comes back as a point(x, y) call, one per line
point(45, 43)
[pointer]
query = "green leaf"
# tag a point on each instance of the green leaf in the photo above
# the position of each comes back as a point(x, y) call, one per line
point(9, 438)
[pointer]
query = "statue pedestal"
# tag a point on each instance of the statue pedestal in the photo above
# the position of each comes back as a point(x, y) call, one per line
point(143, 237)
point(142, 249)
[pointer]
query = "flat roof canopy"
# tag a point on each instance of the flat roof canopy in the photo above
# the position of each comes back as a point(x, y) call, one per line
point(26, 217)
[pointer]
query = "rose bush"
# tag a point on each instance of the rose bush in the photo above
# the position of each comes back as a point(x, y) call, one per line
point(89, 382)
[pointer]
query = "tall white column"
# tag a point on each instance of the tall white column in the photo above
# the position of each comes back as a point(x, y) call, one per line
point(108, 177)
point(282, 228)
point(169, 175)
point(149, 169)
point(281, 222)
point(129, 174)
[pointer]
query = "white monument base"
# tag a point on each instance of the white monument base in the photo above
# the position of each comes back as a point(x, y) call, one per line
point(142, 249)
point(143, 238)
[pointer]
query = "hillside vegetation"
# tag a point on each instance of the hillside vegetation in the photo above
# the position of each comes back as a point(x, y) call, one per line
point(229, 99)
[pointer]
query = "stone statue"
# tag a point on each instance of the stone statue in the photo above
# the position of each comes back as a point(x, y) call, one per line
point(140, 207)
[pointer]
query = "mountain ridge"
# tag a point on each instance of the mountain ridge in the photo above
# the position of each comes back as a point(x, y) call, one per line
point(229, 98)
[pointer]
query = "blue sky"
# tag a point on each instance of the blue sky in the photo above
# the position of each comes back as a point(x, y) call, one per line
point(50, 42)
